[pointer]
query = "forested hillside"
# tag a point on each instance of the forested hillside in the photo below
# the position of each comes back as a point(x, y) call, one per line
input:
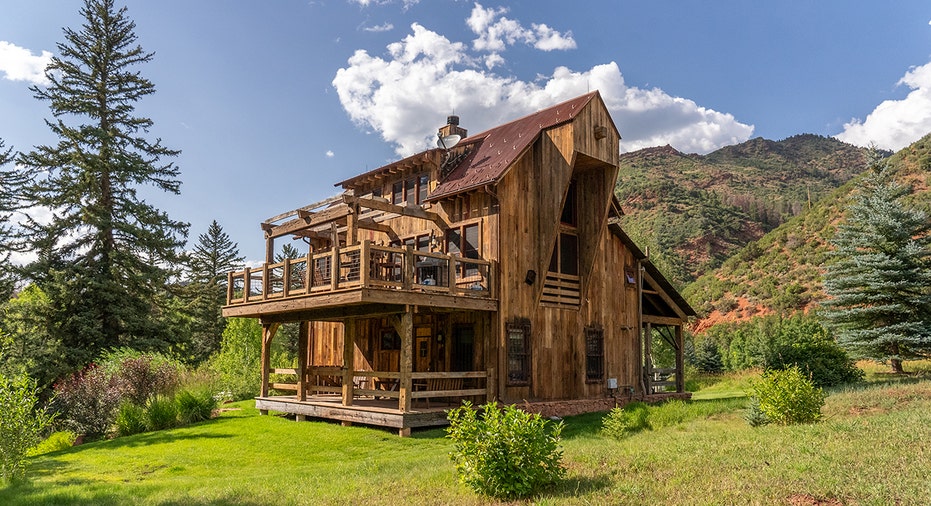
point(693, 211)
point(782, 271)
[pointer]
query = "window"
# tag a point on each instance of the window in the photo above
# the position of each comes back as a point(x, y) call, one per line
point(568, 211)
point(594, 354)
point(518, 333)
point(411, 191)
point(565, 259)
point(463, 241)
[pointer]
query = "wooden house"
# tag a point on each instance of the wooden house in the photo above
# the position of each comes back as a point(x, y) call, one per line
point(491, 269)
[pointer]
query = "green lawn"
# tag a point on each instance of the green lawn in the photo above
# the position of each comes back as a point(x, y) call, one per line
point(872, 448)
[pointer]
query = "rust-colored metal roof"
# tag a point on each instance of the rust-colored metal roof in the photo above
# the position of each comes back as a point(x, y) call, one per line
point(493, 151)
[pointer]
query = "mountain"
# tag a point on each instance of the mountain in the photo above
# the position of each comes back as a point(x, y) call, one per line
point(693, 212)
point(782, 271)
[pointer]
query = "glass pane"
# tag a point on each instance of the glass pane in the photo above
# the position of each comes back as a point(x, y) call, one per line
point(397, 193)
point(423, 185)
point(453, 239)
point(410, 193)
point(470, 244)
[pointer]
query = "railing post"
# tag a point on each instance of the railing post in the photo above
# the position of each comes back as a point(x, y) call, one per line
point(247, 284)
point(286, 278)
point(365, 263)
point(229, 287)
point(265, 283)
point(450, 275)
point(334, 268)
point(308, 273)
point(408, 280)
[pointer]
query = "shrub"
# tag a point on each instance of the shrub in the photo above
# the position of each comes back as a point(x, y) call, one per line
point(707, 357)
point(87, 401)
point(504, 453)
point(61, 440)
point(754, 415)
point(195, 405)
point(21, 425)
point(806, 343)
point(622, 422)
point(161, 413)
point(130, 419)
point(140, 376)
point(237, 362)
point(787, 397)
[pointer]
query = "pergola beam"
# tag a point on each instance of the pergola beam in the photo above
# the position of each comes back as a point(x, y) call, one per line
point(413, 212)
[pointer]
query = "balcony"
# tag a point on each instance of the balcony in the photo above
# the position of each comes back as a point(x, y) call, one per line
point(360, 275)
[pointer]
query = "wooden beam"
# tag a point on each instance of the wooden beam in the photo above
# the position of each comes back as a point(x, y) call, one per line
point(666, 298)
point(662, 320)
point(349, 348)
point(369, 224)
point(268, 333)
point(406, 331)
point(303, 335)
point(680, 361)
point(411, 211)
point(292, 226)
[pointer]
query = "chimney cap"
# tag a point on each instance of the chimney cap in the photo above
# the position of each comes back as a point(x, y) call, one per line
point(452, 120)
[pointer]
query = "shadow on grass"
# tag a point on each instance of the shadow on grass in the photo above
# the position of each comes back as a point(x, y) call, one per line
point(26, 492)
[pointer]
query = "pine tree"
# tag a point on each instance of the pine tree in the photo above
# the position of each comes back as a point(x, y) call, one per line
point(12, 182)
point(880, 280)
point(105, 257)
point(213, 256)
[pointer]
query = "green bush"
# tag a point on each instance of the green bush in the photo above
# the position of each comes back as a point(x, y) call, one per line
point(57, 441)
point(504, 453)
point(787, 397)
point(21, 425)
point(237, 364)
point(195, 405)
point(130, 419)
point(622, 422)
point(161, 413)
point(807, 344)
point(754, 415)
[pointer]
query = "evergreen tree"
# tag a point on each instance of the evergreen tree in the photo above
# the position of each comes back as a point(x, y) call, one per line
point(105, 256)
point(213, 256)
point(12, 182)
point(880, 281)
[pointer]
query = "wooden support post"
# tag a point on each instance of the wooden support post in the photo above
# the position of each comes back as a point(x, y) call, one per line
point(648, 357)
point(265, 284)
point(247, 280)
point(349, 348)
point(309, 271)
point(365, 263)
point(405, 432)
point(286, 278)
point(334, 268)
point(352, 226)
point(407, 280)
point(491, 386)
point(269, 249)
point(268, 332)
point(680, 363)
point(229, 287)
point(302, 340)
point(407, 359)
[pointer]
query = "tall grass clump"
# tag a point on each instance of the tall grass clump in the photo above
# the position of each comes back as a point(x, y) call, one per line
point(622, 422)
point(505, 453)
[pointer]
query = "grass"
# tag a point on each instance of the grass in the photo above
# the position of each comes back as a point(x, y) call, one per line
point(871, 449)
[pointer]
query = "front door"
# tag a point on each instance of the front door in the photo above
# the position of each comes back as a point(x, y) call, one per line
point(423, 350)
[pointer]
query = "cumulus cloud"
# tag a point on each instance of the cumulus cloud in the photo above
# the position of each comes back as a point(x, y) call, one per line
point(384, 27)
point(19, 64)
point(894, 124)
point(406, 95)
point(330, 153)
point(496, 32)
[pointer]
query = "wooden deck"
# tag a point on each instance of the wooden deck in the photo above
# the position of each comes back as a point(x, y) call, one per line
point(370, 411)
point(356, 280)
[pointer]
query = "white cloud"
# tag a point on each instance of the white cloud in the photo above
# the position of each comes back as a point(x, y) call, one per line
point(330, 154)
point(406, 95)
point(19, 64)
point(894, 124)
point(496, 32)
point(365, 3)
point(384, 27)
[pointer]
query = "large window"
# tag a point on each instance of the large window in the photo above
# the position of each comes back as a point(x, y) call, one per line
point(594, 354)
point(518, 334)
point(464, 241)
point(413, 190)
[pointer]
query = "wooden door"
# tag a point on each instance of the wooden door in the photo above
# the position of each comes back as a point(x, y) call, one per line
point(423, 348)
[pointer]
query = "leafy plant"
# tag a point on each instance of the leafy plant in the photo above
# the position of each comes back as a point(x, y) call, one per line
point(621, 422)
point(161, 413)
point(195, 405)
point(57, 441)
point(504, 453)
point(787, 397)
point(807, 344)
point(130, 419)
point(87, 401)
point(237, 363)
point(21, 425)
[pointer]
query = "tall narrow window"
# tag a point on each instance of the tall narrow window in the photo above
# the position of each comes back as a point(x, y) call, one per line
point(397, 193)
point(594, 354)
point(410, 191)
point(568, 210)
point(423, 187)
point(518, 334)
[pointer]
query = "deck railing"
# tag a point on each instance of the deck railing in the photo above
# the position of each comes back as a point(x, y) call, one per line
point(363, 265)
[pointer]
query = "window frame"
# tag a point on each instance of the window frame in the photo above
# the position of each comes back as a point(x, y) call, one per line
point(594, 354)
point(518, 352)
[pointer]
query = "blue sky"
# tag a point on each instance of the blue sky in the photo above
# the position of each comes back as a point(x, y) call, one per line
point(273, 102)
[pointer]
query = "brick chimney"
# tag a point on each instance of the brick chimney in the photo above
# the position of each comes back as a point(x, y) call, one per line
point(452, 127)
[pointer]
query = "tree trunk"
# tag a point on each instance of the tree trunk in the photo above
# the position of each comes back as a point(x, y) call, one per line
point(896, 366)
